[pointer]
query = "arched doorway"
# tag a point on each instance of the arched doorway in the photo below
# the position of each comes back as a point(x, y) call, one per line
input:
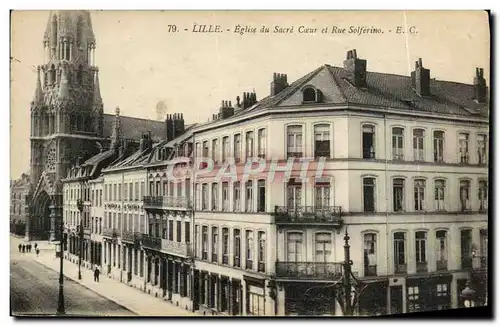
point(41, 217)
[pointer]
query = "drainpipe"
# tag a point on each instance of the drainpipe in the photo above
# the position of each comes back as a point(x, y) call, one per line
point(387, 234)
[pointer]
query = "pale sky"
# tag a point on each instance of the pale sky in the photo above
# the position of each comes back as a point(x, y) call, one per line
point(141, 63)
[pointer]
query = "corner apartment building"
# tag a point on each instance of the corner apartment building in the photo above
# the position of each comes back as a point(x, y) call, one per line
point(405, 172)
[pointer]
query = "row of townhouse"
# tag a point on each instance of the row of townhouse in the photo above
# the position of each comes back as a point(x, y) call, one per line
point(404, 174)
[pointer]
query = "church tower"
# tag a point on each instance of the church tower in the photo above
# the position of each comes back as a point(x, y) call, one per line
point(66, 115)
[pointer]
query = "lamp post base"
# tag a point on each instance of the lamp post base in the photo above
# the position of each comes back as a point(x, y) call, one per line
point(60, 303)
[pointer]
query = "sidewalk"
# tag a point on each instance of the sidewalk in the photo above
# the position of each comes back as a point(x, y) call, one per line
point(136, 301)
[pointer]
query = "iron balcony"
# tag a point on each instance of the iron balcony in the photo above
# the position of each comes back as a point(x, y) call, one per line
point(176, 248)
point(309, 270)
point(110, 233)
point(166, 202)
point(151, 242)
point(308, 214)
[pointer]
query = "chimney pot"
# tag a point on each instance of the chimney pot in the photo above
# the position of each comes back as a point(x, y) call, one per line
point(230, 104)
point(354, 54)
point(481, 72)
point(420, 62)
point(237, 101)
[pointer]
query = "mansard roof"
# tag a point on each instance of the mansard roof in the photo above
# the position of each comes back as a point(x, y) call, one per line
point(383, 90)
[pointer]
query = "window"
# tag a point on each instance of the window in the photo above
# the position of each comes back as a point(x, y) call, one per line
point(249, 249)
point(261, 143)
point(248, 196)
point(197, 241)
point(261, 196)
point(249, 144)
point(225, 246)
point(464, 195)
point(420, 251)
point(323, 244)
point(237, 148)
point(130, 191)
point(441, 251)
point(215, 243)
point(198, 149)
point(204, 242)
point(215, 197)
point(294, 247)
point(413, 299)
point(294, 195)
point(463, 148)
point(482, 148)
point(205, 149)
point(309, 95)
point(397, 143)
point(483, 247)
point(170, 230)
point(368, 142)
point(237, 248)
point(419, 194)
point(179, 231)
point(399, 252)
point(225, 196)
point(442, 290)
point(398, 188)
point(236, 196)
point(261, 259)
point(438, 145)
point(294, 141)
point(370, 258)
point(322, 200)
point(439, 186)
point(215, 150)
point(369, 195)
point(483, 195)
point(204, 196)
point(322, 140)
point(466, 248)
point(225, 148)
point(418, 145)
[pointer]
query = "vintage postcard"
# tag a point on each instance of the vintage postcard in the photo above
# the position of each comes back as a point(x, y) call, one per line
point(249, 163)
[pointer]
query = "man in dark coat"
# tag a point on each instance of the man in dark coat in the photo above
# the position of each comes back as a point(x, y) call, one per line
point(24, 248)
point(96, 274)
point(36, 245)
point(20, 247)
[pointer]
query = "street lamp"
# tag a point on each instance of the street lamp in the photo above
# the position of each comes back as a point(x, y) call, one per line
point(79, 205)
point(468, 295)
point(60, 302)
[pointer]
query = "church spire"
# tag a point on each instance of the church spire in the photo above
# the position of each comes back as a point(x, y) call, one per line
point(116, 135)
point(97, 89)
point(38, 98)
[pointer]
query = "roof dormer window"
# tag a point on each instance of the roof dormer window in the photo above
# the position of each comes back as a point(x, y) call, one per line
point(311, 94)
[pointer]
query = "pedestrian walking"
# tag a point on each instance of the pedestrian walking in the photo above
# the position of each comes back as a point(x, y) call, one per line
point(28, 247)
point(96, 274)
point(36, 245)
point(20, 247)
point(24, 249)
point(37, 252)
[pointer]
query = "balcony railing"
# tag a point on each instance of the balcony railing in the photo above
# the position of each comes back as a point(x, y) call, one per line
point(309, 270)
point(110, 233)
point(151, 242)
point(166, 202)
point(128, 236)
point(308, 214)
point(176, 248)
point(371, 270)
point(400, 269)
point(442, 265)
point(421, 267)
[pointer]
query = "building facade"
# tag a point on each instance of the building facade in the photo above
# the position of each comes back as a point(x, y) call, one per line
point(247, 214)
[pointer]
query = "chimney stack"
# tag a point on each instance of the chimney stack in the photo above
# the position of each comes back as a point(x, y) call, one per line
point(174, 126)
point(249, 99)
point(421, 79)
point(278, 84)
point(356, 69)
point(480, 89)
